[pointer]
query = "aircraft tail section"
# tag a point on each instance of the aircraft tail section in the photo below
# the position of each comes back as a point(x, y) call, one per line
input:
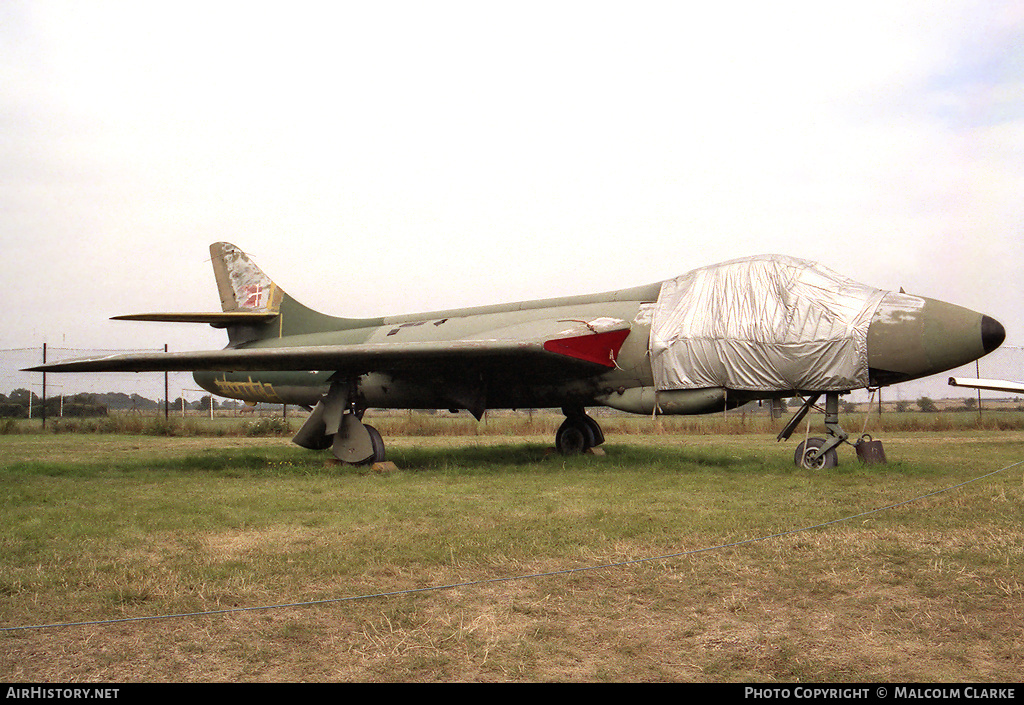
point(255, 307)
point(243, 286)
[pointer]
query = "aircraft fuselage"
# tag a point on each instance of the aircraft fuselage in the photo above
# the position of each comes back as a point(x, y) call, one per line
point(909, 337)
point(459, 385)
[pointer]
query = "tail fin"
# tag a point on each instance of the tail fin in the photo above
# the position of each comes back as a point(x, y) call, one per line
point(246, 290)
point(254, 307)
point(243, 286)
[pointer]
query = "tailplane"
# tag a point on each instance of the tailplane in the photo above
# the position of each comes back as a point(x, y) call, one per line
point(253, 306)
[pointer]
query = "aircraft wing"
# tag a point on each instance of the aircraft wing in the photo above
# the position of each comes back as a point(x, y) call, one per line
point(557, 347)
point(995, 385)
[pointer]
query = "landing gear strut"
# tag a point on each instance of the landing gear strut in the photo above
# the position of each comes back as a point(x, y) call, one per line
point(578, 433)
point(337, 423)
point(817, 453)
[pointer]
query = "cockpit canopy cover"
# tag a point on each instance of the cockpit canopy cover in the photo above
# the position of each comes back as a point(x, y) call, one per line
point(762, 323)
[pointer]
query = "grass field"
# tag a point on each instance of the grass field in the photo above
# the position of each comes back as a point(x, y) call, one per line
point(112, 526)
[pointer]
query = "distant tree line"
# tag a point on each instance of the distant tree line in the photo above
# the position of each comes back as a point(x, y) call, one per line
point(17, 404)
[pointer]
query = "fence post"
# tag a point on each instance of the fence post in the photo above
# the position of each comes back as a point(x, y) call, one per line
point(977, 373)
point(167, 402)
point(44, 388)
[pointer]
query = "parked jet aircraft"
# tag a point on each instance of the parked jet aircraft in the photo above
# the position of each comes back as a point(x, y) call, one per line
point(766, 327)
point(995, 385)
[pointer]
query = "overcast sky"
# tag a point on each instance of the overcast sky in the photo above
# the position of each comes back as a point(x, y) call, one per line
point(387, 157)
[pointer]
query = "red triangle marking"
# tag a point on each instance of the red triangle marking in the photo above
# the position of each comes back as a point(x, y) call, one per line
point(600, 348)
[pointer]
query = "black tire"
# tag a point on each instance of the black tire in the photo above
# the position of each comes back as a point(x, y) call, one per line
point(378, 446)
point(574, 436)
point(803, 451)
point(595, 430)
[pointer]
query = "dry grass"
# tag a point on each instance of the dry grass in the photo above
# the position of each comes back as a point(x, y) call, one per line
point(520, 423)
point(926, 592)
point(757, 617)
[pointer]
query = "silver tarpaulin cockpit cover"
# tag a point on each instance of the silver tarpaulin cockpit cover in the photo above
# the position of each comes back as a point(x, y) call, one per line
point(762, 323)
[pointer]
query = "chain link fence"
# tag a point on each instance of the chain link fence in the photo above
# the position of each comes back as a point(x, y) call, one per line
point(146, 392)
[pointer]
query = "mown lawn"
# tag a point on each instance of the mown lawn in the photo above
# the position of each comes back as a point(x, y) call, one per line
point(651, 562)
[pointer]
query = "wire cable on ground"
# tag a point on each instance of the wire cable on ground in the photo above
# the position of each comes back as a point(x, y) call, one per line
point(529, 576)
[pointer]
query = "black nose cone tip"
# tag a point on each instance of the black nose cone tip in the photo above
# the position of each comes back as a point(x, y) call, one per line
point(992, 333)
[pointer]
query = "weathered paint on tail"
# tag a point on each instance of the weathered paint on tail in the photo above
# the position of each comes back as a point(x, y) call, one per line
point(243, 286)
point(244, 289)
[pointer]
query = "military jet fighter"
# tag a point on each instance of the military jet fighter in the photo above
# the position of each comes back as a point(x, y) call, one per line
point(994, 385)
point(758, 328)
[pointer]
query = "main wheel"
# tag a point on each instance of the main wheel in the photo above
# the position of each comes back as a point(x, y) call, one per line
point(806, 450)
point(574, 436)
point(595, 430)
point(378, 446)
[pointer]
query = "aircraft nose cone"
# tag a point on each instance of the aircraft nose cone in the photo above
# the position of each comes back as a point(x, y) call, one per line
point(912, 337)
point(992, 333)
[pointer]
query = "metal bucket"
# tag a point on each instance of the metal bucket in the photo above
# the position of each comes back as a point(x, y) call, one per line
point(870, 451)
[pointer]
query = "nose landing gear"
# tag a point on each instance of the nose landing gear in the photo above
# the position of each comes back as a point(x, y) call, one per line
point(809, 454)
point(820, 453)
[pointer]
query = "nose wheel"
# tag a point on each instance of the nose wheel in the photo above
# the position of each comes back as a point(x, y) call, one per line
point(809, 455)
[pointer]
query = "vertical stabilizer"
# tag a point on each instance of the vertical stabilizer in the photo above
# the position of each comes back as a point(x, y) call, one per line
point(243, 286)
point(245, 289)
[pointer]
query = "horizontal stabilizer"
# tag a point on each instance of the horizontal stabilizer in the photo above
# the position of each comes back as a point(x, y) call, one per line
point(214, 319)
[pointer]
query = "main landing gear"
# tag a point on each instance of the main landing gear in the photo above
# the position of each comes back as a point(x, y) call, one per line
point(820, 453)
point(578, 433)
point(336, 422)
